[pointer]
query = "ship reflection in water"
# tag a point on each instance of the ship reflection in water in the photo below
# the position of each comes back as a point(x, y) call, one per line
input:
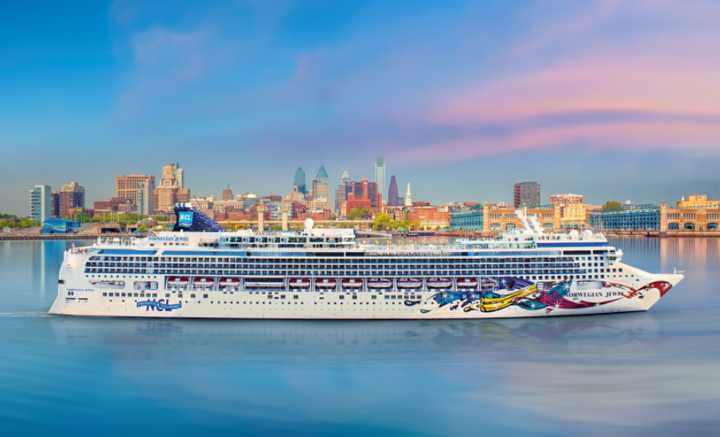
point(641, 373)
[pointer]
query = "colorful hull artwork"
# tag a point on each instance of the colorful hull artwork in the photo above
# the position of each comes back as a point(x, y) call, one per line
point(520, 293)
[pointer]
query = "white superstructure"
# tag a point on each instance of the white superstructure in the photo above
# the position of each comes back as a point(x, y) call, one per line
point(328, 274)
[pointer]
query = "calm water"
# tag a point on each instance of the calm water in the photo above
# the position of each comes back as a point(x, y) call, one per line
point(644, 374)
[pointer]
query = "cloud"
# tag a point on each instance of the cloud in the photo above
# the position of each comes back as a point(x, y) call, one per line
point(658, 91)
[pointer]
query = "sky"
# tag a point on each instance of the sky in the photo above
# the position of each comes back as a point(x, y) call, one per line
point(611, 99)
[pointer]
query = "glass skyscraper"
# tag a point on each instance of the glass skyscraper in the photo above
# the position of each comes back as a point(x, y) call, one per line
point(299, 180)
point(380, 174)
point(40, 203)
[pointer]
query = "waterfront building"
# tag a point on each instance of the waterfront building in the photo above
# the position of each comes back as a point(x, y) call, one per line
point(659, 218)
point(393, 198)
point(408, 196)
point(698, 201)
point(40, 203)
point(501, 217)
point(468, 219)
point(54, 225)
point(139, 189)
point(227, 194)
point(526, 195)
point(299, 180)
point(638, 218)
point(380, 174)
point(573, 210)
point(70, 198)
point(113, 205)
point(566, 199)
point(430, 217)
point(172, 189)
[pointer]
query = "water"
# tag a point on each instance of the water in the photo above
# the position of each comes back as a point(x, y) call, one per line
point(638, 374)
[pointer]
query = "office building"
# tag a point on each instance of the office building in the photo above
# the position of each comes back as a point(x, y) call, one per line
point(320, 193)
point(70, 197)
point(299, 180)
point(526, 195)
point(380, 174)
point(341, 190)
point(139, 189)
point(227, 194)
point(40, 203)
point(393, 198)
point(172, 189)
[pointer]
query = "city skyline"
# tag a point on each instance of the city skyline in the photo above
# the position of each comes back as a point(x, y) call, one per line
point(610, 100)
point(508, 197)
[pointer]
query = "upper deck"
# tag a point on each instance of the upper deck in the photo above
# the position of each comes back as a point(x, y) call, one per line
point(344, 240)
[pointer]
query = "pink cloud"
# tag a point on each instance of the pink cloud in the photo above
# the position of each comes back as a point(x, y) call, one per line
point(618, 82)
point(653, 135)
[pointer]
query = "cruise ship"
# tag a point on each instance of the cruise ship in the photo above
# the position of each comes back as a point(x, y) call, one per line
point(200, 271)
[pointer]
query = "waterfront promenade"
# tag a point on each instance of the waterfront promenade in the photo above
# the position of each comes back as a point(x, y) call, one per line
point(37, 236)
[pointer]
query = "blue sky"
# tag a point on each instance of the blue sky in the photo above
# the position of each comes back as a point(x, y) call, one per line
point(608, 99)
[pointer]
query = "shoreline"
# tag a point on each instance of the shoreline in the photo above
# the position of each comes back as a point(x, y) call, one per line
point(628, 234)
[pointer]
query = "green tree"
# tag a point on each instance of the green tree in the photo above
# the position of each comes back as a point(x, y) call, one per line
point(26, 222)
point(359, 214)
point(82, 217)
point(612, 205)
point(383, 222)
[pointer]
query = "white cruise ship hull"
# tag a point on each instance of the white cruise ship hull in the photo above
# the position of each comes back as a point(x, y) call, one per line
point(639, 291)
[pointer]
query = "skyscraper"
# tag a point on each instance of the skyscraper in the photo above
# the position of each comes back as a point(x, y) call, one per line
point(393, 194)
point(139, 189)
point(299, 180)
point(341, 191)
point(40, 203)
point(227, 194)
point(70, 196)
point(380, 174)
point(408, 196)
point(320, 194)
point(180, 175)
point(171, 189)
point(526, 195)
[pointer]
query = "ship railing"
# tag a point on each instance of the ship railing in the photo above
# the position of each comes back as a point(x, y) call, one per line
point(116, 241)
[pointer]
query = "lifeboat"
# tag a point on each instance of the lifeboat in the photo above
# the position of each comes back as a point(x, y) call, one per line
point(299, 283)
point(439, 283)
point(380, 284)
point(203, 282)
point(352, 283)
point(229, 283)
point(325, 283)
point(467, 283)
point(271, 283)
point(407, 283)
point(178, 280)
